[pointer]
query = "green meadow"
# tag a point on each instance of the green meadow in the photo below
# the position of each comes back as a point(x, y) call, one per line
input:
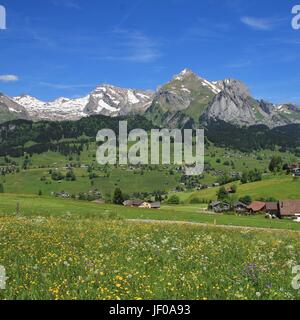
point(60, 249)
point(281, 187)
point(29, 181)
point(69, 258)
point(33, 206)
point(220, 160)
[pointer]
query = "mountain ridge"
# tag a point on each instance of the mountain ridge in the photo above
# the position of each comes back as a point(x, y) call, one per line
point(186, 100)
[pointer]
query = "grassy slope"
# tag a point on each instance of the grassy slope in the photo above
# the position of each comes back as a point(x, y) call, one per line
point(279, 187)
point(29, 182)
point(42, 206)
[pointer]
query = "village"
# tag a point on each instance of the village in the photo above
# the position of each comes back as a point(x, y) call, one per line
point(273, 210)
point(294, 170)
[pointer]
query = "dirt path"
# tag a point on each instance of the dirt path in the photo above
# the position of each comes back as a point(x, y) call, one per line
point(170, 222)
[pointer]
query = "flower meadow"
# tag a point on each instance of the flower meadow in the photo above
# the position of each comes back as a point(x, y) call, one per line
point(68, 258)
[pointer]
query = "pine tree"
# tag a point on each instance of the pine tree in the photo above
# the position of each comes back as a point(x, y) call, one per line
point(118, 197)
point(275, 164)
point(222, 194)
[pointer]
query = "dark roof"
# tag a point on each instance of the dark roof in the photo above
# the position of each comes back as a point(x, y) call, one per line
point(257, 206)
point(272, 206)
point(289, 208)
point(132, 203)
point(155, 205)
point(215, 203)
point(219, 203)
point(239, 204)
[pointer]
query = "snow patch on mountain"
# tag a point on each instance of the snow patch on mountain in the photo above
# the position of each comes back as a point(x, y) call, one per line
point(214, 88)
point(104, 100)
point(58, 110)
point(186, 94)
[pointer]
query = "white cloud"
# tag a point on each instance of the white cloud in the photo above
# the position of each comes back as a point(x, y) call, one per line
point(132, 46)
point(8, 78)
point(264, 24)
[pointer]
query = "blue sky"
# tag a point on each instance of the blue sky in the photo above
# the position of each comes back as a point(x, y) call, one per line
point(55, 48)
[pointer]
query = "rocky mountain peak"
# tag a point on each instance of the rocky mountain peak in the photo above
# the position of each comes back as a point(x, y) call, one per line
point(185, 99)
point(113, 101)
point(234, 87)
point(184, 74)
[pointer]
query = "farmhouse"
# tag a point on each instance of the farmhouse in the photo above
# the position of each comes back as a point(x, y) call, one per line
point(296, 172)
point(283, 209)
point(256, 207)
point(62, 194)
point(132, 203)
point(223, 206)
point(155, 205)
point(294, 169)
point(150, 205)
point(272, 208)
point(240, 207)
point(289, 208)
point(219, 206)
point(141, 204)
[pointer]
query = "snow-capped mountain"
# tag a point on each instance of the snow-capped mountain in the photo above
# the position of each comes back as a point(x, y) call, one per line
point(181, 99)
point(112, 101)
point(187, 100)
point(57, 110)
point(105, 100)
point(190, 100)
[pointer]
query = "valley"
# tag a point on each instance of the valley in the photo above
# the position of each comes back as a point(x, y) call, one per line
point(149, 151)
point(81, 230)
